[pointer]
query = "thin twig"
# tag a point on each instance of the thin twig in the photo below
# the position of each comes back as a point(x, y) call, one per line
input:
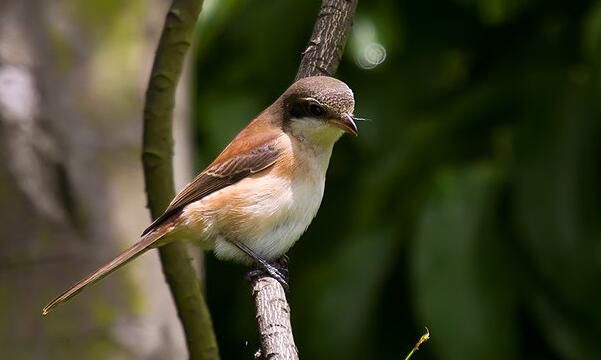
point(421, 340)
point(157, 156)
point(321, 57)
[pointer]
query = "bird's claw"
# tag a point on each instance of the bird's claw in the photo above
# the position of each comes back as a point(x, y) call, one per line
point(277, 270)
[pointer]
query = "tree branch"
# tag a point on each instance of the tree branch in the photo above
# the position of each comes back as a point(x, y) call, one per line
point(326, 45)
point(321, 57)
point(157, 156)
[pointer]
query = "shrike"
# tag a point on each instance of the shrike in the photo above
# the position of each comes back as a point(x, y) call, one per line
point(261, 193)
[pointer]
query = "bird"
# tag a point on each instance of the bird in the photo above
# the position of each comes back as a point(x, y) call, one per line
point(259, 195)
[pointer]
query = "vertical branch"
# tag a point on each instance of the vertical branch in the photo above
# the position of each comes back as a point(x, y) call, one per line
point(326, 45)
point(273, 320)
point(321, 57)
point(158, 173)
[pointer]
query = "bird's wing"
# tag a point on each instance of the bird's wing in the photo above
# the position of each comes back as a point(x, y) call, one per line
point(226, 170)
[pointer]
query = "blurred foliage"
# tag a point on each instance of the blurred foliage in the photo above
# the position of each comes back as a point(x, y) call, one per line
point(470, 202)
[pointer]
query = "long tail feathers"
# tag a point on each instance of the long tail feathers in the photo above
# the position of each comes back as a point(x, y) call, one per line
point(137, 249)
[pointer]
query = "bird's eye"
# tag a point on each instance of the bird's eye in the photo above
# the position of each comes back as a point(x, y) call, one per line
point(316, 110)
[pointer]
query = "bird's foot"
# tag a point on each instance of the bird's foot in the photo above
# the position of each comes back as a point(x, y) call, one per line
point(277, 269)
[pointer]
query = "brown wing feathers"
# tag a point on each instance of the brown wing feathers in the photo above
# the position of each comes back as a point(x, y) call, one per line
point(220, 175)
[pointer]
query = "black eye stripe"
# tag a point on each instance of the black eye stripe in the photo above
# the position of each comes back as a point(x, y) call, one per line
point(297, 110)
point(316, 110)
point(306, 108)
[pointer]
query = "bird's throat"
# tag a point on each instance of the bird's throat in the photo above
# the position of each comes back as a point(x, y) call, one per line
point(315, 132)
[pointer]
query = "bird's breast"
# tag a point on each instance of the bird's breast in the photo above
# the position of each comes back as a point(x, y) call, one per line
point(268, 211)
point(272, 220)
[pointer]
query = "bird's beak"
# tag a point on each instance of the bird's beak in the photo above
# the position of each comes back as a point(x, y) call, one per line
point(346, 123)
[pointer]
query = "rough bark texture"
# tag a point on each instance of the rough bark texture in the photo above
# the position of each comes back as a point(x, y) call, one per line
point(273, 320)
point(321, 57)
point(158, 170)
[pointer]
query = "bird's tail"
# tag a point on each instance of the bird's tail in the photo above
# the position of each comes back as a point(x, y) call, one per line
point(148, 241)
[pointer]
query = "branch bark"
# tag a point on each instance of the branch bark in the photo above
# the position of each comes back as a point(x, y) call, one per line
point(321, 57)
point(326, 45)
point(157, 154)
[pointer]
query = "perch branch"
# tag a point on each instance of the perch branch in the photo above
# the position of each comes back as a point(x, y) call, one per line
point(321, 57)
point(157, 155)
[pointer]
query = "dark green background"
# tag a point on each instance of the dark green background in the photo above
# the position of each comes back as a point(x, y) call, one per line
point(470, 202)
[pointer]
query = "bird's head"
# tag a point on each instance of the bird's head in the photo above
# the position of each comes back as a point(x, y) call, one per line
point(319, 109)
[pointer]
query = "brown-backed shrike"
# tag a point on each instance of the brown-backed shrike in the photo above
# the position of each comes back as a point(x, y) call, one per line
point(262, 192)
